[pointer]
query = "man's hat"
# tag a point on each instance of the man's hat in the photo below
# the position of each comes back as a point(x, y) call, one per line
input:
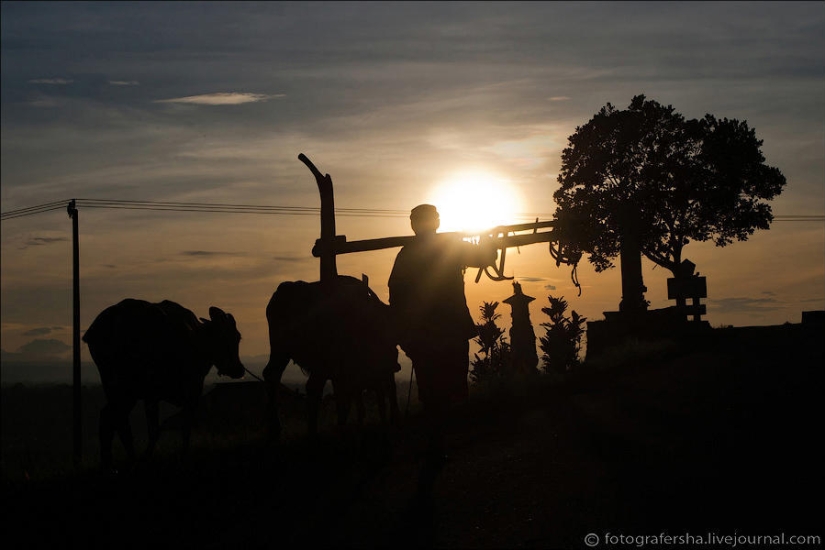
point(424, 212)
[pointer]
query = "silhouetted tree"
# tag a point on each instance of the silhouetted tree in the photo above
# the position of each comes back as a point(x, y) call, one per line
point(561, 342)
point(674, 180)
point(496, 355)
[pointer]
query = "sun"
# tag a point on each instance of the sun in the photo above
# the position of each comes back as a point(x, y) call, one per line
point(475, 200)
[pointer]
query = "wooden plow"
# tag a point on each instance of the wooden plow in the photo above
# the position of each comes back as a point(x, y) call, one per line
point(330, 245)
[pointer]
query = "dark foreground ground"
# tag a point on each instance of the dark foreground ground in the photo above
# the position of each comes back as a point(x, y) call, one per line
point(722, 440)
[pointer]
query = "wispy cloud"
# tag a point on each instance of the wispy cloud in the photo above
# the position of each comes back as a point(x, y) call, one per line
point(37, 241)
point(206, 253)
point(53, 81)
point(745, 305)
point(559, 98)
point(124, 83)
point(291, 259)
point(40, 331)
point(44, 347)
point(40, 241)
point(45, 101)
point(231, 98)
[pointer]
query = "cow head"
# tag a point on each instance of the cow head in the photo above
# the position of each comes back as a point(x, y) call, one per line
point(385, 349)
point(225, 340)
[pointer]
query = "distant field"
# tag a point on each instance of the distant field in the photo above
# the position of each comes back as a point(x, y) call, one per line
point(38, 425)
point(30, 373)
point(37, 416)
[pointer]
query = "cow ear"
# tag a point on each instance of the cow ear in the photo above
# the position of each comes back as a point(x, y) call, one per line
point(216, 314)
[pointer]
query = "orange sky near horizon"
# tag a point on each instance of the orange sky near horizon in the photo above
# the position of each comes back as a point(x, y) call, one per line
point(398, 102)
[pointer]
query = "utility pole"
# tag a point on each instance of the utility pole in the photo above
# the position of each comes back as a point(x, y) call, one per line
point(72, 210)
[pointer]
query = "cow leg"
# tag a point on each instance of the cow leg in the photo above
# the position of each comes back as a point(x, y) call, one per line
point(392, 396)
point(360, 410)
point(124, 430)
point(315, 390)
point(114, 417)
point(106, 434)
point(273, 372)
point(189, 414)
point(388, 398)
point(343, 401)
point(346, 391)
point(152, 424)
point(381, 399)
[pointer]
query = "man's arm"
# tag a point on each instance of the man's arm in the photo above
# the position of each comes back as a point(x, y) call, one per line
point(482, 254)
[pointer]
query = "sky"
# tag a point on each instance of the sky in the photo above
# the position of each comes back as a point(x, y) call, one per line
point(400, 103)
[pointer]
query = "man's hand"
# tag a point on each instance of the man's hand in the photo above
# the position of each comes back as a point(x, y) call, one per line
point(488, 252)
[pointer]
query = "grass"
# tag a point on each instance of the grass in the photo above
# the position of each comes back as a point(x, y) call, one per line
point(37, 427)
point(632, 352)
point(719, 437)
point(38, 441)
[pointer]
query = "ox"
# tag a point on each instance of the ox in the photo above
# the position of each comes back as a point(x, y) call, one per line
point(156, 352)
point(336, 330)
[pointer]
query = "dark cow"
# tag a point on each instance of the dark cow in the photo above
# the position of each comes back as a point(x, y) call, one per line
point(156, 352)
point(336, 330)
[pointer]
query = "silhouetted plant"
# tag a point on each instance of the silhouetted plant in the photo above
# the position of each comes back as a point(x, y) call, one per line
point(496, 356)
point(678, 179)
point(561, 342)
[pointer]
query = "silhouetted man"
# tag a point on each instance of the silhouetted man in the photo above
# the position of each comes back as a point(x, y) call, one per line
point(429, 306)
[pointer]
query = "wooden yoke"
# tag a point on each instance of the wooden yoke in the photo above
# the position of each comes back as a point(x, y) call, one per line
point(326, 252)
point(502, 237)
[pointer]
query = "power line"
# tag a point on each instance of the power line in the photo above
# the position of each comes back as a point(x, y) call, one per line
point(267, 209)
point(239, 208)
point(800, 218)
point(200, 207)
point(30, 211)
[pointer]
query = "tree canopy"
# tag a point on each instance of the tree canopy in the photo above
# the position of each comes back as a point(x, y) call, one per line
point(673, 180)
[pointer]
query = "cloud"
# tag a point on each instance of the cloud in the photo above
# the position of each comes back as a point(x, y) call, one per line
point(206, 253)
point(25, 241)
point(232, 98)
point(40, 347)
point(43, 101)
point(124, 83)
point(559, 98)
point(549, 287)
point(745, 305)
point(296, 259)
point(39, 241)
point(40, 331)
point(51, 81)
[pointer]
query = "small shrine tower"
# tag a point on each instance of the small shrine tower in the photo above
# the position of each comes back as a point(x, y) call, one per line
point(522, 337)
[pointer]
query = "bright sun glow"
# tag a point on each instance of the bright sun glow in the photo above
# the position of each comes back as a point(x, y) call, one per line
point(474, 201)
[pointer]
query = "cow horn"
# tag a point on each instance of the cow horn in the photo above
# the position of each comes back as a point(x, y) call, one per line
point(216, 314)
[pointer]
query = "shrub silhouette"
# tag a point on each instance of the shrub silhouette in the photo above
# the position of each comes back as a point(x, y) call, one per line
point(561, 342)
point(496, 355)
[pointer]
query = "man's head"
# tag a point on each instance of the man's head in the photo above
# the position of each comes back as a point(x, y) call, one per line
point(424, 219)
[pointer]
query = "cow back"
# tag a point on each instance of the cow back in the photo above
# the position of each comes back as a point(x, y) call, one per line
point(150, 348)
point(331, 325)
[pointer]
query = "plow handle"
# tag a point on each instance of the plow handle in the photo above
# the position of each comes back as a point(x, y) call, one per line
point(329, 268)
point(315, 172)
